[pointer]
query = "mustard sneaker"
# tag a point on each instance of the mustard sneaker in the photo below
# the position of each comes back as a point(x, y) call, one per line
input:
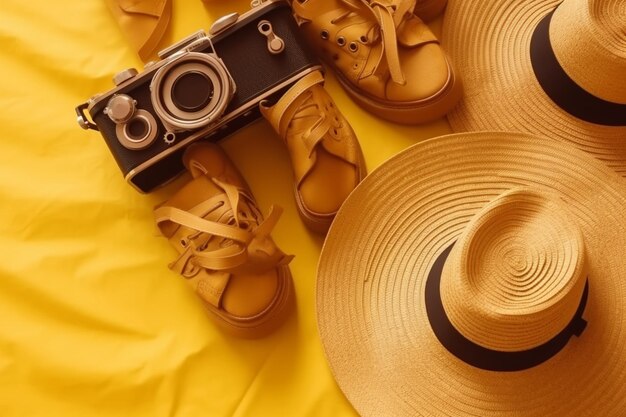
point(385, 57)
point(225, 252)
point(326, 158)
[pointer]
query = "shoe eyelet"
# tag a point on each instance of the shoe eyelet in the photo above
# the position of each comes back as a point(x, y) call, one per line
point(353, 47)
point(341, 41)
point(363, 39)
point(183, 243)
point(324, 34)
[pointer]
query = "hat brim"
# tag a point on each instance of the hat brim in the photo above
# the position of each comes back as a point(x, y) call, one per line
point(373, 267)
point(489, 44)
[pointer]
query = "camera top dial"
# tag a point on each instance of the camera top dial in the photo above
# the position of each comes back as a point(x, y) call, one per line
point(120, 108)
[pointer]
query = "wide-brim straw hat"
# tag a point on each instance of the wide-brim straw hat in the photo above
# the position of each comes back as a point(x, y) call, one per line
point(479, 274)
point(543, 66)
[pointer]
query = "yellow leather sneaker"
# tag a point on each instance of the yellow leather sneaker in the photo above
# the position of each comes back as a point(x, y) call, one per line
point(386, 57)
point(325, 155)
point(225, 252)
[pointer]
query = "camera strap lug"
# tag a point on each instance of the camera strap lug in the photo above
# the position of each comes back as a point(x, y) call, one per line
point(275, 44)
point(82, 119)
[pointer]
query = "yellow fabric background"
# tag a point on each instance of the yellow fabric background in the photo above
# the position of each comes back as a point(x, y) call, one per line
point(92, 322)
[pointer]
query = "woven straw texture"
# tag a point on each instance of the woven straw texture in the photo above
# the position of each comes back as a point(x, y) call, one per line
point(489, 43)
point(516, 275)
point(374, 263)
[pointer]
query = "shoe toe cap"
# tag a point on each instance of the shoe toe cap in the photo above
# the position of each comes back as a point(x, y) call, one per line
point(426, 72)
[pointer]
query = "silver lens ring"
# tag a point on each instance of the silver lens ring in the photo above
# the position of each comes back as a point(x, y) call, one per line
point(139, 132)
point(192, 64)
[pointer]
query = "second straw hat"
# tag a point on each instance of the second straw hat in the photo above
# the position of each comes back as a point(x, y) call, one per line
point(543, 66)
point(479, 274)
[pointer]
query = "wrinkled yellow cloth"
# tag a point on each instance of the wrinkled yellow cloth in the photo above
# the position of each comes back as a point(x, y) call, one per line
point(92, 322)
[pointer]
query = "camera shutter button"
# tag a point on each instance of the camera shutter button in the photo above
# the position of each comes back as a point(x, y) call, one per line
point(120, 108)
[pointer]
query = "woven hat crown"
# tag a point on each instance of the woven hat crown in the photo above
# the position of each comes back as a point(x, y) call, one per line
point(589, 40)
point(516, 276)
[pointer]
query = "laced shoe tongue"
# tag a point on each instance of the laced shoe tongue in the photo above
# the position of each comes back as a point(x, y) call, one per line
point(307, 114)
point(305, 120)
point(257, 254)
point(413, 32)
point(234, 208)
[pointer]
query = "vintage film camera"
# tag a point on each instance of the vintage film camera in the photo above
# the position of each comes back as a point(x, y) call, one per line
point(203, 87)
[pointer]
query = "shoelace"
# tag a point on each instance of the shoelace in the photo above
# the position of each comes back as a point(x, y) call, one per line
point(300, 105)
point(244, 246)
point(323, 121)
point(388, 16)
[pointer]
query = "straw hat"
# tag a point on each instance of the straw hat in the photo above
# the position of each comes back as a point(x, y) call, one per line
point(542, 66)
point(479, 274)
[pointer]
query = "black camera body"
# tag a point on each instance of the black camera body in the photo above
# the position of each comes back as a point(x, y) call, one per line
point(203, 87)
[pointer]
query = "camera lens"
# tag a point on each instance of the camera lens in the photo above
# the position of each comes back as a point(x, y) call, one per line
point(137, 128)
point(192, 91)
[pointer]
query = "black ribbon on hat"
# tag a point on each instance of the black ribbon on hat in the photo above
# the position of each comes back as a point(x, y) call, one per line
point(564, 91)
point(480, 356)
